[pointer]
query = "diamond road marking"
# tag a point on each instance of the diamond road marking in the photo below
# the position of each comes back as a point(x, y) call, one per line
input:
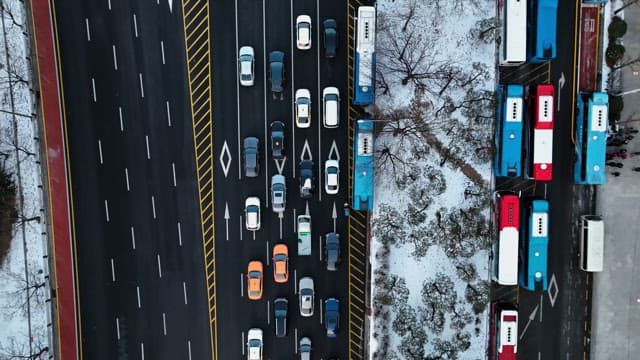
point(280, 165)
point(225, 154)
point(306, 150)
point(333, 152)
point(553, 290)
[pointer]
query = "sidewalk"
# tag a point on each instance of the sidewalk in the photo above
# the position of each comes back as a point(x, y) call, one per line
point(59, 214)
point(616, 291)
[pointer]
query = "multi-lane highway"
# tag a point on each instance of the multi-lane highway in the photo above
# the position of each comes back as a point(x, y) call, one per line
point(135, 214)
point(240, 112)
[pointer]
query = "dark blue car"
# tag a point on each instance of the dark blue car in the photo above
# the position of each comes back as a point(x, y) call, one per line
point(331, 316)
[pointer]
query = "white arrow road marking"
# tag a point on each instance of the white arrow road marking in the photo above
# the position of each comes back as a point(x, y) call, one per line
point(333, 152)
point(306, 150)
point(226, 218)
point(280, 165)
point(561, 82)
point(225, 154)
point(531, 317)
point(334, 215)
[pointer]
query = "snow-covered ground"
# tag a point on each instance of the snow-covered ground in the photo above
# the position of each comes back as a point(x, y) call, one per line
point(24, 312)
point(430, 225)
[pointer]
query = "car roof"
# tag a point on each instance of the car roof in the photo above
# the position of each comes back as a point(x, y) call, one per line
point(277, 56)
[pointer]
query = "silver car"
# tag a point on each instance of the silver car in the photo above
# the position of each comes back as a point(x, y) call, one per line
point(305, 348)
point(246, 65)
point(278, 193)
point(306, 296)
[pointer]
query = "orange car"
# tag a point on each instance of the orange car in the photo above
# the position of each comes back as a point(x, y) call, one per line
point(280, 263)
point(254, 280)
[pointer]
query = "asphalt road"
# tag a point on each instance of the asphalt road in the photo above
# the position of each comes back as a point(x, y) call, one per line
point(130, 140)
point(552, 323)
point(239, 112)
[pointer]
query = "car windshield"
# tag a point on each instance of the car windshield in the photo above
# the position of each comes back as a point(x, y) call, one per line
point(254, 275)
point(254, 343)
point(332, 170)
point(252, 209)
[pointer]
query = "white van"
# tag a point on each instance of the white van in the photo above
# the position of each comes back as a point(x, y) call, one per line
point(331, 107)
point(591, 243)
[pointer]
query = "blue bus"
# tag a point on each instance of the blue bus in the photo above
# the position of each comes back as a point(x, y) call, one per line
point(363, 163)
point(508, 138)
point(534, 246)
point(364, 69)
point(542, 23)
point(591, 126)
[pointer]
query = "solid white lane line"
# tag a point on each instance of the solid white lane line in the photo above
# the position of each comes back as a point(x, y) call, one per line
point(242, 342)
point(295, 336)
point(168, 114)
point(153, 205)
point(146, 140)
point(162, 50)
point(164, 324)
point(320, 306)
point(268, 312)
point(118, 328)
point(295, 229)
point(115, 58)
point(106, 209)
point(189, 348)
point(138, 293)
point(113, 271)
point(141, 86)
point(320, 247)
point(109, 4)
point(293, 124)
point(126, 177)
point(241, 228)
point(319, 106)
point(133, 238)
point(295, 281)
point(267, 252)
point(135, 24)
point(173, 171)
point(159, 266)
point(86, 21)
point(100, 151)
point(93, 86)
point(241, 285)
point(142, 350)
point(179, 234)
point(120, 115)
point(184, 291)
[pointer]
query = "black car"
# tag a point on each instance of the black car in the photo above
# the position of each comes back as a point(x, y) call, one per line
point(330, 38)
point(332, 250)
point(277, 140)
point(306, 179)
point(276, 71)
point(280, 307)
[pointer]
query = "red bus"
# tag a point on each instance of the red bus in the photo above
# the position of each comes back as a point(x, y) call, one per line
point(543, 133)
point(506, 250)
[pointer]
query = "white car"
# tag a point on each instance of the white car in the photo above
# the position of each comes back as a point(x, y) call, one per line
point(303, 108)
point(254, 344)
point(252, 213)
point(331, 107)
point(331, 177)
point(306, 294)
point(303, 32)
point(246, 65)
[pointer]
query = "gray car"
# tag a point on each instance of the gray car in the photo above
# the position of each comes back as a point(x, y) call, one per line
point(278, 193)
point(306, 294)
point(251, 156)
point(305, 348)
point(332, 250)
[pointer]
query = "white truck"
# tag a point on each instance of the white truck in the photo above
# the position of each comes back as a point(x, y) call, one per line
point(304, 235)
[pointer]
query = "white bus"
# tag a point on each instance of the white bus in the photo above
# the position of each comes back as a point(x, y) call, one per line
point(514, 33)
point(591, 243)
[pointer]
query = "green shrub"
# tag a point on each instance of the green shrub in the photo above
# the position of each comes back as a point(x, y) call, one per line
point(617, 28)
point(613, 54)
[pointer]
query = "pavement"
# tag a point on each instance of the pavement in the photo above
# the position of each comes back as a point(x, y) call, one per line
point(616, 290)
